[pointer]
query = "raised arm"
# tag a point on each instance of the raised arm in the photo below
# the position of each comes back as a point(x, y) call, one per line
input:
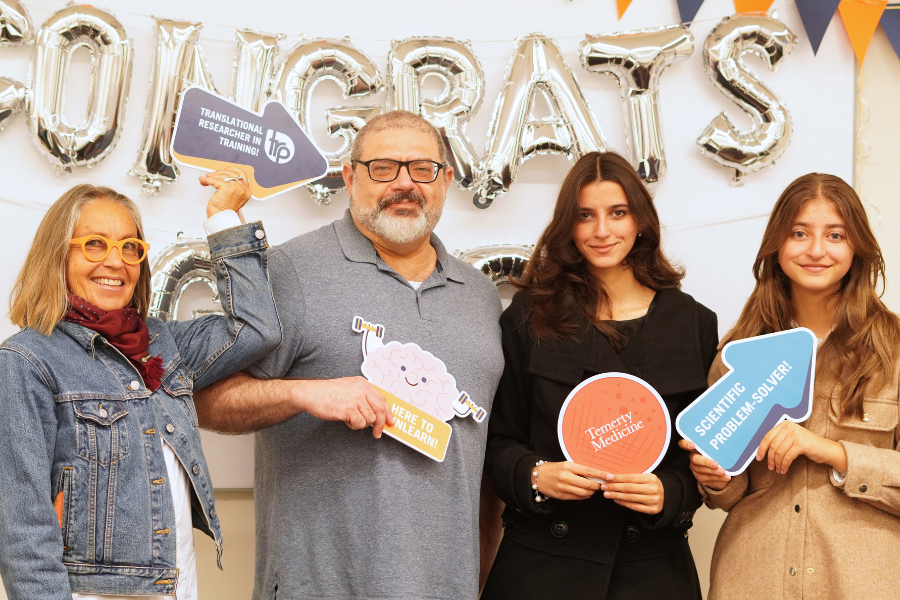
point(214, 346)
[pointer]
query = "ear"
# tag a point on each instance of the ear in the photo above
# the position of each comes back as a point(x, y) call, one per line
point(347, 174)
point(448, 177)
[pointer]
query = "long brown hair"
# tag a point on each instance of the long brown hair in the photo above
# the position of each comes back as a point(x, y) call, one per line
point(38, 298)
point(557, 279)
point(861, 349)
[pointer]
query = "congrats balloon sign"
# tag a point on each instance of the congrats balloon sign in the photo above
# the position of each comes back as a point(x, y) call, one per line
point(770, 380)
point(614, 422)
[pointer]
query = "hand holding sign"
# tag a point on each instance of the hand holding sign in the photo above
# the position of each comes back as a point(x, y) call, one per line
point(232, 190)
point(771, 379)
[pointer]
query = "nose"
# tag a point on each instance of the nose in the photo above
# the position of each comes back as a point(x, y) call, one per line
point(403, 180)
point(817, 247)
point(114, 258)
point(601, 230)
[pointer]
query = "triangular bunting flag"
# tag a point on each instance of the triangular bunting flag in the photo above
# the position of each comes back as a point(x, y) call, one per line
point(816, 15)
point(861, 18)
point(623, 6)
point(890, 22)
point(688, 9)
point(752, 6)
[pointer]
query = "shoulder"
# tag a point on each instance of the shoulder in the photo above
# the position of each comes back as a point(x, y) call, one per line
point(675, 300)
point(27, 350)
point(308, 242)
point(479, 282)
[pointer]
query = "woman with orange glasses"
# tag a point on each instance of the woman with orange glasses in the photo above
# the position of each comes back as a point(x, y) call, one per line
point(101, 471)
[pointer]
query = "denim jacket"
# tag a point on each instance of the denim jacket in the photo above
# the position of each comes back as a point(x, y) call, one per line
point(76, 418)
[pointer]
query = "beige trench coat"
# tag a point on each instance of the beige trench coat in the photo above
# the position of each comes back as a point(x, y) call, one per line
point(805, 534)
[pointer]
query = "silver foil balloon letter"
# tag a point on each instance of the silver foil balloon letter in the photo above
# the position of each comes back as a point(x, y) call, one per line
point(637, 59)
point(179, 64)
point(498, 262)
point(178, 266)
point(15, 24)
point(254, 59)
point(358, 77)
point(12, 99)
point(746, 151)
point(409, 63)
point(111, 58)
point(515, 135)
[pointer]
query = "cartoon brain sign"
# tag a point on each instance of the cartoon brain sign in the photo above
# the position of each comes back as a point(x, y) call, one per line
point(616, 423)
point(421, 393)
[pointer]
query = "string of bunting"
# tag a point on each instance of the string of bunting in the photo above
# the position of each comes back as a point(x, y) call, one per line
point(860, 17)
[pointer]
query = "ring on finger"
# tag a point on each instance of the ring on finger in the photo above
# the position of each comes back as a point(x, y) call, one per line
point(238, 178)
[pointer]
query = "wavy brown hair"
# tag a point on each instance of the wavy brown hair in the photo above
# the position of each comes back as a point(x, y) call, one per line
point(861, 349)
point(38, 299)
point(557, 280)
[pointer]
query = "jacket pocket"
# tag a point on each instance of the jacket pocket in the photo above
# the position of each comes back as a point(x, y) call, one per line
point(102, 432)
point(876, 428)
point(180, 385)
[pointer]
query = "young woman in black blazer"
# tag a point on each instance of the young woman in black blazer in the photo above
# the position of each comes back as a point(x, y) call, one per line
point(598, 296)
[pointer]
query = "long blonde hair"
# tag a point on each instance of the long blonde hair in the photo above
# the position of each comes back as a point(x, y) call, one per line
point(38, 299)
point(861, 350)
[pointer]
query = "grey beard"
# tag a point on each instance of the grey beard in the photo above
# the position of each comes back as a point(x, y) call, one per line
point(397, 228)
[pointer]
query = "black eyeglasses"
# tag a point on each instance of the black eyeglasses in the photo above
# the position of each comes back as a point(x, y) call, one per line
point(386, 169)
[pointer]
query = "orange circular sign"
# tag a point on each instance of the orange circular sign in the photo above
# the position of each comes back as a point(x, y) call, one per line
point(615, 422)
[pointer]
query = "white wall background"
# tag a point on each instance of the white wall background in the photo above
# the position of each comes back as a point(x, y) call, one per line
point(712, 227)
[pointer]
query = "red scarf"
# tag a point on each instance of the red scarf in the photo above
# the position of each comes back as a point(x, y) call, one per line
point(125, 330)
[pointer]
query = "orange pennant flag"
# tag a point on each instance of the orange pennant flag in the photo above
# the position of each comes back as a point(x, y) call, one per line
point(752, 6)
point(860, 19)
point(623, 6)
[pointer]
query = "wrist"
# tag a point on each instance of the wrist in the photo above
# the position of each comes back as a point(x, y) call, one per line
point(296, 393)
point(535, 471)
point(837, 457)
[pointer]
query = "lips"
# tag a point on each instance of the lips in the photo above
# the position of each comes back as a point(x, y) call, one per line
point(107, 281)
point(815, 268)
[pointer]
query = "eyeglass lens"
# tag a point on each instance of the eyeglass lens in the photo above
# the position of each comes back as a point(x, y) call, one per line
point(420, 171)
point(97, 249)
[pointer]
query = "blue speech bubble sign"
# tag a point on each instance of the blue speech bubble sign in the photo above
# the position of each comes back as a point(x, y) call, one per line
point(770, 379)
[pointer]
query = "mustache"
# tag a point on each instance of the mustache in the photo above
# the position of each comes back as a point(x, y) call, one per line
point(407, 196)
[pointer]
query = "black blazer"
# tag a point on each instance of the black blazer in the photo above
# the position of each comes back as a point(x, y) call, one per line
point(672, 352)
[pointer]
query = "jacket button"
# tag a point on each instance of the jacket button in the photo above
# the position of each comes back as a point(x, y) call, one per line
point(632, 534)
point(792, 571)
point(196, 470)
point(134, 385)
point(103, 412)
point(863, 488)
point(170, 428)
point(796, 508)
point(212, 513)
point(260, 234)
point(559, 529)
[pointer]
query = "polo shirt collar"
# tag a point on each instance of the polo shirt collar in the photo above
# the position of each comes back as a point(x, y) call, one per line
point(358, 248)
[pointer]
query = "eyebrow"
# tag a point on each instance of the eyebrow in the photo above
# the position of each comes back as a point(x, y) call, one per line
point(828, 226)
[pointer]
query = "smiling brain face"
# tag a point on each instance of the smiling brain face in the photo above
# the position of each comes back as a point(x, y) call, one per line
point(414, 375)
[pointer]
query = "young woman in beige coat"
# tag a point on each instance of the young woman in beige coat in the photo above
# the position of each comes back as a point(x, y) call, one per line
point(816, 515)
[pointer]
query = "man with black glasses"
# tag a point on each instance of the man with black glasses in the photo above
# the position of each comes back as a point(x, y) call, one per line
point(341, 513)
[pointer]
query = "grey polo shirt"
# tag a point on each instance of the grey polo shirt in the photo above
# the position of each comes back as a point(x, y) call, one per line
point(340, 514)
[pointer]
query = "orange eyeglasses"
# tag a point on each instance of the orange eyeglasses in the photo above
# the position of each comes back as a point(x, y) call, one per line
point(96, 248)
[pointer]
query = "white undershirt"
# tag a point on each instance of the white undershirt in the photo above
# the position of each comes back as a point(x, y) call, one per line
point(415, 284)
point(180, 484)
